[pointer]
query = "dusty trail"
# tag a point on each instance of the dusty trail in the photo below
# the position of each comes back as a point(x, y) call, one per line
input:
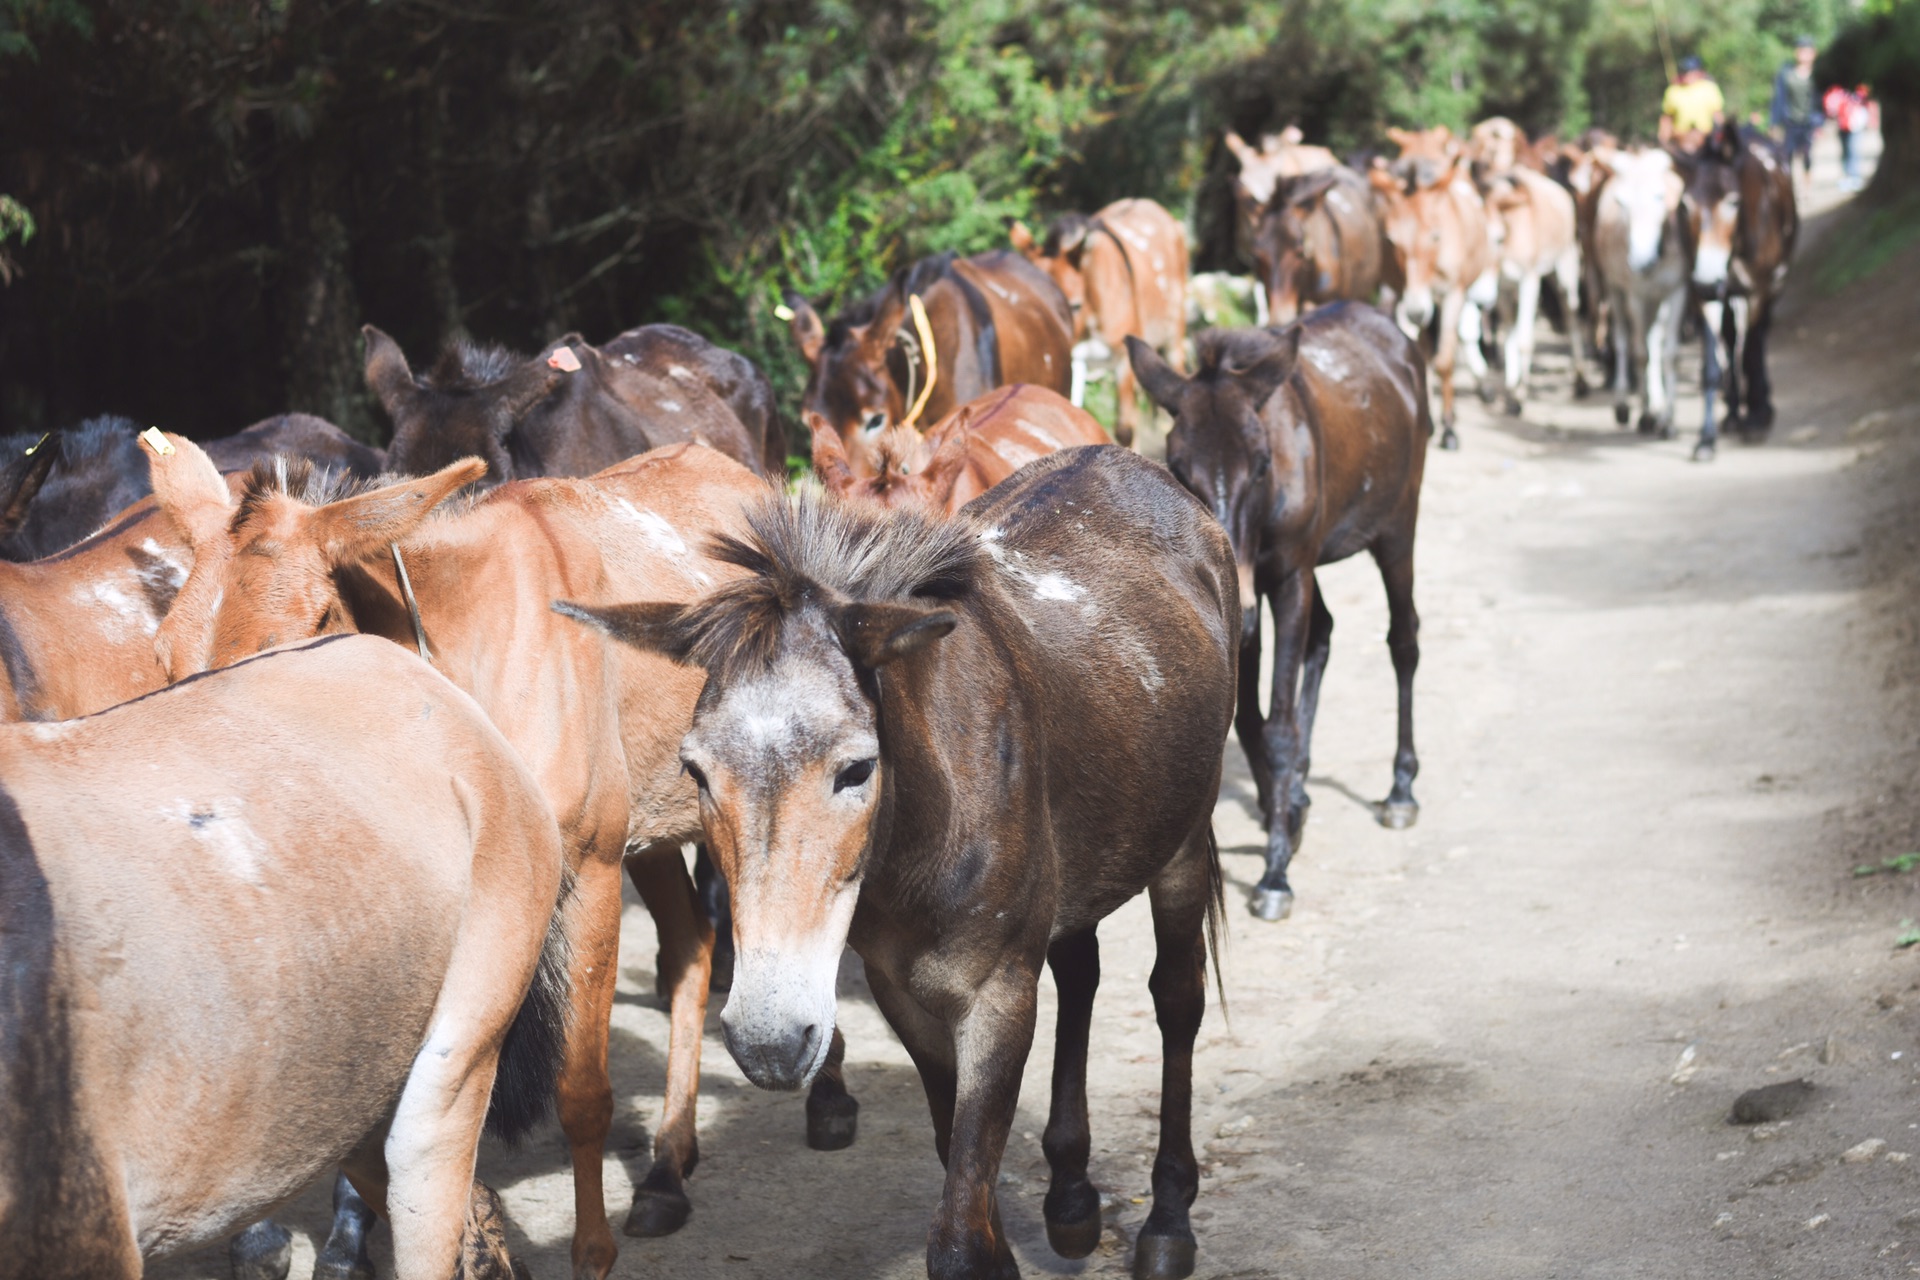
point(1663, 710)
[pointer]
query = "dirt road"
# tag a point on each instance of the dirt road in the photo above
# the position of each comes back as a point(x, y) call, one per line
point(1664, 709)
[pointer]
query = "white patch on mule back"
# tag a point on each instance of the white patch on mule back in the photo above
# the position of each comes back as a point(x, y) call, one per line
point(663, 538)
point(220, 827)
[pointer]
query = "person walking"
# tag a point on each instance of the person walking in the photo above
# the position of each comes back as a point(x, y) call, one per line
point(1795, 113)
point(1692, 108)
point(1851, 115)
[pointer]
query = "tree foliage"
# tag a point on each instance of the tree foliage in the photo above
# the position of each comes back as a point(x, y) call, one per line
point(226, 189)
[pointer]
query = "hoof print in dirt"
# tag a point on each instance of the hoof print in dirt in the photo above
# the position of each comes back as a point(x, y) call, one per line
point(1771, 1103)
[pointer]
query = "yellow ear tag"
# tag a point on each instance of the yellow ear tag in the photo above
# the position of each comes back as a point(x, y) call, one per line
point(35, 446)
point(152, 438)
point(783, 313)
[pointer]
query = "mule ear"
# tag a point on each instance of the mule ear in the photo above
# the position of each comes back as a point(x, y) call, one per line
point(829, 454)
point(1241, 151)
point(1405, 138)
point(388, 376)
point(1161, 382)
point(1261, 379)
point(875, 634)
point(188, 489)
point(1021, 238)
point(949, 461)
point(354, 528)
point(656, 628)
point(1381, 177)
point(21, 480)
point(808, 332)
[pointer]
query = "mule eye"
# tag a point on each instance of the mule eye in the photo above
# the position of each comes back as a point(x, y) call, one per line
point(854, 775)
point(1262, 465)
point(693, 771)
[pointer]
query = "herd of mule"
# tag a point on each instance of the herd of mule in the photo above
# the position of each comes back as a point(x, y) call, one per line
point(423, 709)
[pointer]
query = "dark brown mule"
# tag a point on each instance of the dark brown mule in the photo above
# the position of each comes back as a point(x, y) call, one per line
point(1741, 206)
point(1308, 444)
point(305, 940)
point(962, 456)
point(996, 319)
point(77, 629)
point(1319, 239)
point(599, 724)
point(90, 474)
point(1123, 271)
point(959, 745)
point(677, 357)
point(571, 410)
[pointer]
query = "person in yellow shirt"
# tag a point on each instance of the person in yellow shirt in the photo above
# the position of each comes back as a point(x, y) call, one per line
point(1691, 108)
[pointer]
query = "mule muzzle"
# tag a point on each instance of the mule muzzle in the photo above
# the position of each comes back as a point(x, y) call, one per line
point(783, 1058)
point(779, 1015)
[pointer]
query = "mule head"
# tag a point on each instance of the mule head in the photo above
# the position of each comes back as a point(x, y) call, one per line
point(20, 482)
point(467, 405)
point(1646, 189)
point(1219, 447)
point(1413, 238)
point(849, 383)
point(907, 468)
point(272, 573)
point(1710, 208)
point(1283, 256)
point(786, 751)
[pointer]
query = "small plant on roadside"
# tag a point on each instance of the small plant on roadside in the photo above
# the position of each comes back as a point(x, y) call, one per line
point(1890, 866)
point(1909, 935)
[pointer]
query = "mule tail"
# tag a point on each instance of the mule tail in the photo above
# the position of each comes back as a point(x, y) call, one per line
point(1216, 923)
point(535, 1044)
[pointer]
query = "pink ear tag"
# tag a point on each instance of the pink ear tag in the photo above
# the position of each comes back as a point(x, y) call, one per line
point(564, 360)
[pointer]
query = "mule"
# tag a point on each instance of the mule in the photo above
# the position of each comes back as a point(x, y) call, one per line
point(995, 319)
point(1531, 219)
point(75, 481)
point(1444, 255)
point(1123, 271)
point(571, 410)
point(963, 455)
point(1319, 240)
point(893, 751)
point(597, 723)
point(1308, 444)
point(1644, 248)
point(318, 935)
point(1426, 155)
point(1743, 220)
point(672, 355)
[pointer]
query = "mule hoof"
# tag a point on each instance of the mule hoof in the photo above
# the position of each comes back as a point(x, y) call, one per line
point(1450, 439)
point(1513, 406)
point(1620, 414)
point(339, 1266)
point(1396, 816)
point(832, 1124)
point(264, 1251)
point(1487, 392)
point(657, 1213)
point(1074, 1239)
point(1703, 452)
point(1580, 389)
point(1666, 431)
point(1271, 904)
point(1164, 1257)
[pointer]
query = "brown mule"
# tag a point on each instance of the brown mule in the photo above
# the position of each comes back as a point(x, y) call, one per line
point(597, 723)
point(1261, 169)
point(995, 319)
point(1444, 255)
point(571, 410)
point(306, 939)
point(1308, 444)
point(959, 745)
point(965, 454)
point(1318, 239)
point(1123, 271)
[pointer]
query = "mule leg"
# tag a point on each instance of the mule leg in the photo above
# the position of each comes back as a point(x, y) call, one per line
point(1566, 278)
point(1667, 325)
point(1179, 895)
point(1292, 610)
point(585, 1094)
point(660, 1204)
point(717, 905)
point(1072, 1206)
point(1250, 723)
point(1710, 319)
point(1519, 347)
point(1753, 359)
point(1395, 560)
point(1622, 357)
point(1319, 645)
point(833, 1114)
point(264, 1251)
point(1444, 347)
point(1732, 327)
point(344, 1256)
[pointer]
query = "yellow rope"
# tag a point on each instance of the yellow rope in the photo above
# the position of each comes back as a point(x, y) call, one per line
point(925, 330)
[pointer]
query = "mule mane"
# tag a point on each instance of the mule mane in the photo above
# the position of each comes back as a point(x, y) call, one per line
point(299, 479)
point(468, 366)
point(1227, 352)
point(806, 549)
